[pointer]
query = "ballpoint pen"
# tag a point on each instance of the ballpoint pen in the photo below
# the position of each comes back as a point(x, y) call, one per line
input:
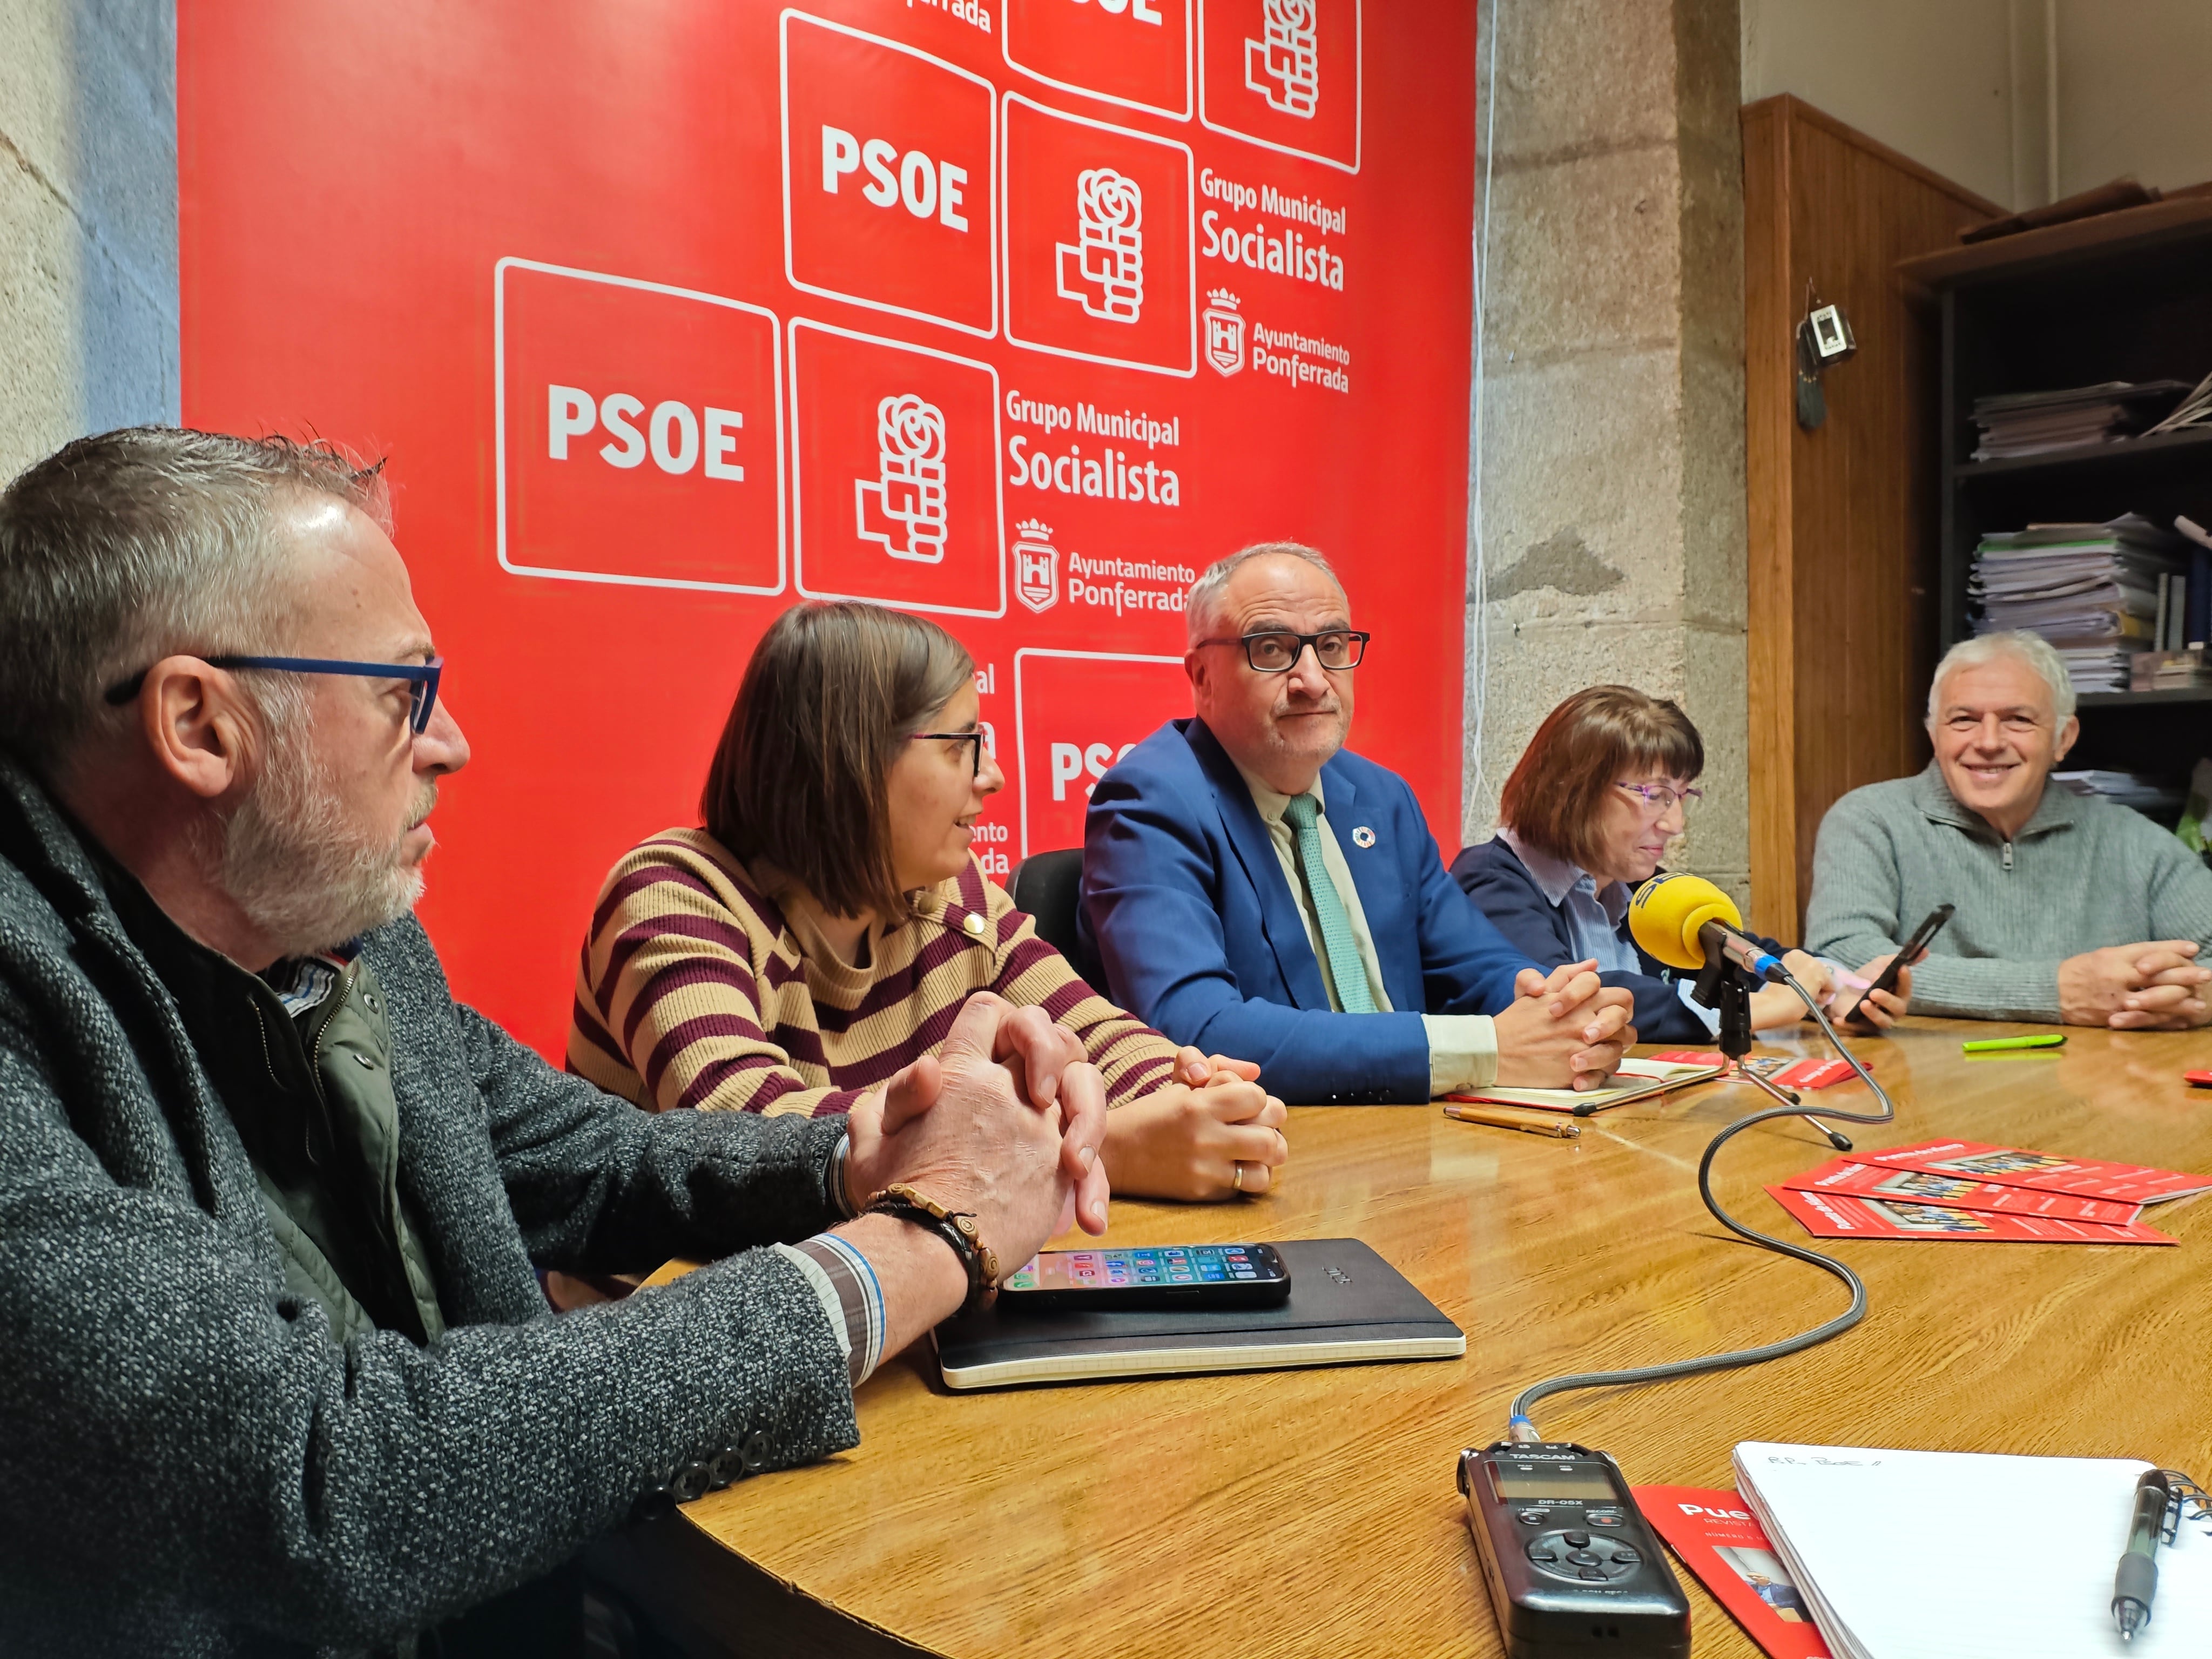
point(1529, 1123)
point(2136, 1581)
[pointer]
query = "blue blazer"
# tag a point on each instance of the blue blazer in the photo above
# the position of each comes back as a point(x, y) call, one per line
point(1498, 882)
point(1186, 910)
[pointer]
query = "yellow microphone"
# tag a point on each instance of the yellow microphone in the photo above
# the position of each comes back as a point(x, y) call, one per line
point(1670, 912)
point(1670, 916)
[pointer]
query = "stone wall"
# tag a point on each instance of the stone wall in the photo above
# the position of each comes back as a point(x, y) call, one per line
point(1612, 421)
point(88, 220)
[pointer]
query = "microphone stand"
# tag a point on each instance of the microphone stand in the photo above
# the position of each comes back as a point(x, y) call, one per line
point(1724, 986)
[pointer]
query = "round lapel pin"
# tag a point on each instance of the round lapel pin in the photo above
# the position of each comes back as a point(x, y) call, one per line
point(1362, 836)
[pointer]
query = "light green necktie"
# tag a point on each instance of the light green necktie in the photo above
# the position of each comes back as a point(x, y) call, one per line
point(1303, 814)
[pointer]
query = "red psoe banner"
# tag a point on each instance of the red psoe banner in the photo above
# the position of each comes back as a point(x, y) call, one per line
point(897, 486)
point(1135, 53)
point(597, 481)
point(1075, 713)
point(901, 223)
point(1015, 312)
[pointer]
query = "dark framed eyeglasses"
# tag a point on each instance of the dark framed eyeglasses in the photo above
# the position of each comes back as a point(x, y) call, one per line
point(421, 678)
point(974, 759)
point(1271, 652)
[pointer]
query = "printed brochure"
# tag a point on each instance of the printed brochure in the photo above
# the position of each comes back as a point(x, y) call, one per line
point(2016, 1166)
point(1719, 1540)
point(1845, 1175)
point(1841, 1215)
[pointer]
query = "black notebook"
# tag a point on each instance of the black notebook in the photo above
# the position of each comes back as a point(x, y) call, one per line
point(1347, 1306)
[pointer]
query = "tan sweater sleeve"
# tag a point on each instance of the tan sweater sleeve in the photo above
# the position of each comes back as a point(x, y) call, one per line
point(1133, 1059)
point(668, 1011)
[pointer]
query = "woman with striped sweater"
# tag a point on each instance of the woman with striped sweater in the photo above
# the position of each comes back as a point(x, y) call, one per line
point(823, 928)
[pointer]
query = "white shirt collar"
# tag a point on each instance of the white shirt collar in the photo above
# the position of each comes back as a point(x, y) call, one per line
point(1270, 802)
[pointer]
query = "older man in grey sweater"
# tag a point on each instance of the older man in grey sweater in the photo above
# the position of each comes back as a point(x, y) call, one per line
point(276, 1375)
point(2070, 910)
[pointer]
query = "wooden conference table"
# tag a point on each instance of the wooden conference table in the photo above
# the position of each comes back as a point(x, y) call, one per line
point(1314, 1512)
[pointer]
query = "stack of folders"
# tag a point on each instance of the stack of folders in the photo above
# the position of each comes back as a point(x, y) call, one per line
point(1962, 1555)
point(2035, 422)
point(2093, 590)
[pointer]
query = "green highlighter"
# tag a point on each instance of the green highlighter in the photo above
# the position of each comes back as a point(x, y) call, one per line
point(1991, 1045)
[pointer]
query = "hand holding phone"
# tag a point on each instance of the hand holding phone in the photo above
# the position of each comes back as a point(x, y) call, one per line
point(1915, 948)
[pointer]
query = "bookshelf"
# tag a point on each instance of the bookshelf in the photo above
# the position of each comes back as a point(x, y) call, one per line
point(2127, 296)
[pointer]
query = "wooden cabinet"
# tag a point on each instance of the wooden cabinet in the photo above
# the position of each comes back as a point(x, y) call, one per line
point(1843, 571)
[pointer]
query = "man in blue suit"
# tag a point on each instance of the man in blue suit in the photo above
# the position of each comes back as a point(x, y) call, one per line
point(1250, 888)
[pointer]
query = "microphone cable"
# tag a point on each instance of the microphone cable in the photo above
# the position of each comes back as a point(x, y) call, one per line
point(1523, 1429)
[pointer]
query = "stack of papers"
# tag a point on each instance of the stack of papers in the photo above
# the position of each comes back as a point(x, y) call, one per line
point(2195, 409)
point(1964, 1189)
point(2099, 667)
point(2159, 797)
point(1957, 1555)
point(2035, 422)
point(2090, 589)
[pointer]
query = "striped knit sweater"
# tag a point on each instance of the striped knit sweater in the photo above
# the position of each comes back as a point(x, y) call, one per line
point(696, 988)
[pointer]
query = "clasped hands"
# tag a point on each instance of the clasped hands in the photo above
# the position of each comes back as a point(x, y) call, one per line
point(2156, 986)
point(1006, 1122)
point(1563, 1030)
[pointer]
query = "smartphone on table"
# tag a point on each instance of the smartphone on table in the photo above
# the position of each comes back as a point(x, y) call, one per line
point(1915, 948)
point(1154, 1276)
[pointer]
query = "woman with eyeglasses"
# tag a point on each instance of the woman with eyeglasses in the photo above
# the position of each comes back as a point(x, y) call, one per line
point(1605, 783)
point(824, 927)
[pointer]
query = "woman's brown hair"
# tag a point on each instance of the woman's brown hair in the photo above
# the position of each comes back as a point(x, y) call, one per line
point(1595, 739)
point(801, 775)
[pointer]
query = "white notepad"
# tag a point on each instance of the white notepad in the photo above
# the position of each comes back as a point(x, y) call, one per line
point(1959, 1555)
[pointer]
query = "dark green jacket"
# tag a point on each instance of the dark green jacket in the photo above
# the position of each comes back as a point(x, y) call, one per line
point(192, 1462)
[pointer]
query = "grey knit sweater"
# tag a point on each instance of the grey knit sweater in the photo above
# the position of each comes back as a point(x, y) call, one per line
point(2081, 874)
point(190, 1464)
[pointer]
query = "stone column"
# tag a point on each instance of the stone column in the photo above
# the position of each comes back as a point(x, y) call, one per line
point(1612, 437)
point(87, 221)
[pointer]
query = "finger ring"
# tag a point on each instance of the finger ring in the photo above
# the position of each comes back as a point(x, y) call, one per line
point(1236, 1180)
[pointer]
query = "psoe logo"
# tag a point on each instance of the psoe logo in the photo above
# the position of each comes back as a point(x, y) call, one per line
point(1283, 65)
point(1036, 567)
point(1072, 761)
point(1103, 271)
point(1224, 331)
point(903, 506)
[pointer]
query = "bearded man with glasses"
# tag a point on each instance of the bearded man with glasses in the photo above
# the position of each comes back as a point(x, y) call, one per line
point(279, 1376)
point(1252, 888)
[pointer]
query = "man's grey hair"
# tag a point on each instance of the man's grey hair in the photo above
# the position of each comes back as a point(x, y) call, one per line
point(128, 546)
point(1202, 608)
point(2032, 650)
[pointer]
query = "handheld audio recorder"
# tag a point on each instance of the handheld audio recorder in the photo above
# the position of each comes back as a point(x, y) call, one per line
point(1573, 1570)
